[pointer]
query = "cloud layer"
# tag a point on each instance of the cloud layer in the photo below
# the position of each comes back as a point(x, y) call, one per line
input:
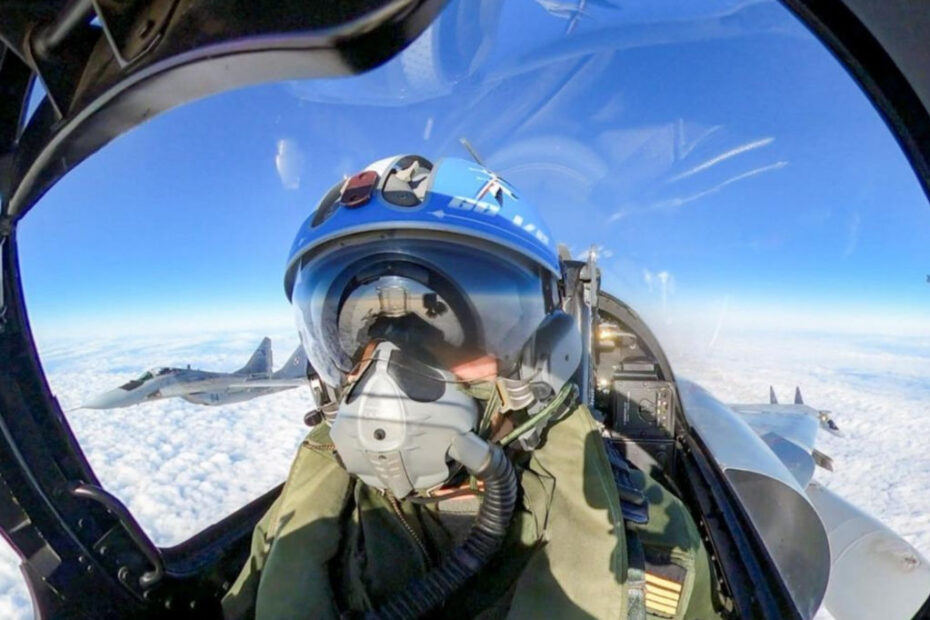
point(180, 467)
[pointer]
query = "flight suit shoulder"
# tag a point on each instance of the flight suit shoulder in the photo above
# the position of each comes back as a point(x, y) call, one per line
point(295, 540)
point(678, 575)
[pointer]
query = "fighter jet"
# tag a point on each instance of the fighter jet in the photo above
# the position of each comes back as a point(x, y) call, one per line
point(203, 387)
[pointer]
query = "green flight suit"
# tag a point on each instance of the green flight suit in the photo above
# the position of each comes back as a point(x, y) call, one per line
point(330, 544)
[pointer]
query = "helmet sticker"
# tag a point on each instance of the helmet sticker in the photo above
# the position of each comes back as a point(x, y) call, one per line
point(494, 186)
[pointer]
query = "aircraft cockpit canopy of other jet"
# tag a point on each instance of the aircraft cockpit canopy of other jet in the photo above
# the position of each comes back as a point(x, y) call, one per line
point(148, 374)
point(133, 384)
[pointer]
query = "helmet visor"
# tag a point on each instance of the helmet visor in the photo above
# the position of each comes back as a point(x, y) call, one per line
point(443, 300)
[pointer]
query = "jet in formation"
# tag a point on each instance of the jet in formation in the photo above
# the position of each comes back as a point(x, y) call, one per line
point(203, 387)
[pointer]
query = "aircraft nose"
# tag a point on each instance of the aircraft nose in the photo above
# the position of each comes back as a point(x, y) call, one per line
point(110, 400)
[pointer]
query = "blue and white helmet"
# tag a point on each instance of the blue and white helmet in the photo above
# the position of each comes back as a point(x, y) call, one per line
point(445, 258)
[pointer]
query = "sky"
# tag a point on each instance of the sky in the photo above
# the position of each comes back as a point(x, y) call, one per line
point(740, 191)
point(725, 167)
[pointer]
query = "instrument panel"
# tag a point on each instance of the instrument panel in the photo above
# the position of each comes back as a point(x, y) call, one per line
point(641, 408)
point(635, 389)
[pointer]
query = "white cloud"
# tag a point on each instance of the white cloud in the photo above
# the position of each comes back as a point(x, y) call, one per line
point(191, 320)
point(721, 317)
point(684, 146)
point(666, 287)
point(599, 251)
point(680, 201)
point(619, 214)
point(663, 281)
point(15, 603)
point(723, 157)
point(877, 389)
point(289, 161)
point(180, 467)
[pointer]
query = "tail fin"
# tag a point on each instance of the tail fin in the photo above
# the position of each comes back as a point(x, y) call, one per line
point(798, 400)
point(260, 362)
point(773, 400)
point(295, 367)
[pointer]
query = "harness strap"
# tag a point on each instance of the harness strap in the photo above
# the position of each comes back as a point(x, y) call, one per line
point(632, 500)
point(635, 577)
point(635, 509)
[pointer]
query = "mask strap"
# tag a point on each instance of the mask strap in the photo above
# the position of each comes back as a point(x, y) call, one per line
point(491, 407)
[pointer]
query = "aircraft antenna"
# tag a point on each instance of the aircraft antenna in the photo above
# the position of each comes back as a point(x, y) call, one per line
point(471, 151)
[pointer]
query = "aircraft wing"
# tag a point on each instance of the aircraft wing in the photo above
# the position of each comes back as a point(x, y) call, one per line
point(874, 572)
point(796, 423)
point(767, 454)
point(790, 431)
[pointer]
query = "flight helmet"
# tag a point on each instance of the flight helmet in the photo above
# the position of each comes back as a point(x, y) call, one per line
point(445, 260)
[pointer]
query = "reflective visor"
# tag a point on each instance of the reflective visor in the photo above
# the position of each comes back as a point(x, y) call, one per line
point(441, 300)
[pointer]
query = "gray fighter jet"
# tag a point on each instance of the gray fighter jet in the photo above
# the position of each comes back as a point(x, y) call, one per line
point(204, 387)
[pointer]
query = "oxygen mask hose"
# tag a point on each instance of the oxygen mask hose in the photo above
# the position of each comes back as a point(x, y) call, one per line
point(484, 539)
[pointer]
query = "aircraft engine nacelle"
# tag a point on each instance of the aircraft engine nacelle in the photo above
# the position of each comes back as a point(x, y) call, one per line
point(783, 516)
point(874, 572)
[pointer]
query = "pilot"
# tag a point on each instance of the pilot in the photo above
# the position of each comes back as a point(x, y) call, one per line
point(453, 472)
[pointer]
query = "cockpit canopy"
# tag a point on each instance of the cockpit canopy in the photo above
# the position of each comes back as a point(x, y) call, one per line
point(148, 374)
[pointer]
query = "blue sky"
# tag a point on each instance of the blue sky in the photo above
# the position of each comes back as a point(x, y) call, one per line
point(724, 164)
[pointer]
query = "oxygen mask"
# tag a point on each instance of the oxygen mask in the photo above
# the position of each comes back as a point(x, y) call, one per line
point(404, 425)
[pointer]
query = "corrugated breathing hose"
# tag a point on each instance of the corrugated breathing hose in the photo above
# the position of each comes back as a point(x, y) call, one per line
point(487, 533)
